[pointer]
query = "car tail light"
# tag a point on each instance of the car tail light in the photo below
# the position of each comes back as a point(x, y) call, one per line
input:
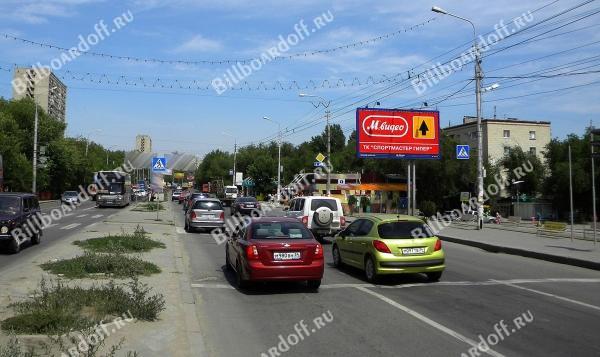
point(193, 215)
point(342, 221)
point(222, 216)
point(438, 245)
point(318, 251)
point(251, 252)
point(305, 220)
point(381, 246)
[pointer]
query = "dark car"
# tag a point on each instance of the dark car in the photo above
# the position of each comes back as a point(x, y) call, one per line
point(275, 249)
point(16, 216)
point(245, 205)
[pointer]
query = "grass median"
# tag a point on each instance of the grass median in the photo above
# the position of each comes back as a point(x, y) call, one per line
point(56, 307)
point(92, 264)
point(135, 242)
point(149, 207)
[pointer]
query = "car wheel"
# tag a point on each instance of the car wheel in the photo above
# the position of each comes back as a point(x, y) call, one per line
point(337, 258)
point(434, 276)
point(370, 270)
point(14, 247)
point(36, 238)
point(240, 281)
point(227, 264)
point(314, 284)
point(186, 227)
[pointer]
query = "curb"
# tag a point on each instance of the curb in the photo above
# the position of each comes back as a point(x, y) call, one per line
point(524, 253)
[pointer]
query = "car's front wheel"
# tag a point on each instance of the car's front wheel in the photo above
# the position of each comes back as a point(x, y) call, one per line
point(227, 264)
point(36, 238)
point(337, 258)
point(370, 270)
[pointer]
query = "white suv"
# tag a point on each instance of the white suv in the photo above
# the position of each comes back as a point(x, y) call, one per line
point(324, 216)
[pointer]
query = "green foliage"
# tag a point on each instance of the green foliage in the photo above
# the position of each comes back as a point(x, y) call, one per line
point(533, 181)
point(123, 243)
point(114, 264)
point(428, 208)
point(46, 312)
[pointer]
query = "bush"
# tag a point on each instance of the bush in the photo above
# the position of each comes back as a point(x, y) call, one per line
point(114, 264)
point(123, 243)
point(46, 312)
point(428, 208)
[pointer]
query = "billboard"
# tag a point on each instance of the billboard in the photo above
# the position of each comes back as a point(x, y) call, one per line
point(397, 133)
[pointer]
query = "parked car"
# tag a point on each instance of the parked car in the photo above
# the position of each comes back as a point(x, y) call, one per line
point(205, 213)
point(389, 244)
point(16, 212)
point(245, 205)
point(175, 195)
point(141, 195)
point(69, 197)
point(275, 249)
point(323, 216)
point(191, 197)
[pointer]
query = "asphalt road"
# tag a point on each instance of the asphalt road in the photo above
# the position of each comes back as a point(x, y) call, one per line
point(559, 307)
point(72, 222)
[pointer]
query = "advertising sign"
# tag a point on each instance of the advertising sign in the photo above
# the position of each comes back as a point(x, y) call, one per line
point(239, 178)
point(397, 133)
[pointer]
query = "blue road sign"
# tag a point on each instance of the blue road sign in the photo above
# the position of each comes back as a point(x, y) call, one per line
point(319, 164)
point(159, 164)
point(463, 152)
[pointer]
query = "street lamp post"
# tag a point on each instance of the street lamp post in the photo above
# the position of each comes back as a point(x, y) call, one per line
point(35, 142)
point(516, 183)
point(234, 155)
point(478, 77)
point(278, 157)
point(107, 152)
point(87, 140)
point(325, 104)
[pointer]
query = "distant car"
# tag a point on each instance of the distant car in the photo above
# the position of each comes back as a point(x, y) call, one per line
point(191, 197)
point(183, 195)
point(69, 197)
point(141, 194)
point(389, 244)
point(245, 205)
point(175, 195)
point(275, 249)
point(17, 211)
point(205, 213)
point(323, 216)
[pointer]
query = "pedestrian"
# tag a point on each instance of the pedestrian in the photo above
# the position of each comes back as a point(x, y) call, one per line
point(498, 217)
point(539, 219)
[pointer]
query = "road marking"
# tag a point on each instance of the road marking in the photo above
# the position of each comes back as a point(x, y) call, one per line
point(71, 226)
point(85, 209)
point(212, 286)
point(81, 216)
point(554, 296)
point(98, 216)
point(430, 322)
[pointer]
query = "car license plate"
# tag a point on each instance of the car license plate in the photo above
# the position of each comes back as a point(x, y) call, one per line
point(413, 251)
point(206, 216)
point(286, 256)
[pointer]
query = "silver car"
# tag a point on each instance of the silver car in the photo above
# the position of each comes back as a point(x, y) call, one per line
point(205, 213)
point(69, 197)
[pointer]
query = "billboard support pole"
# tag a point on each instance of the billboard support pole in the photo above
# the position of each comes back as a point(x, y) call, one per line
point(408, 189)
point(414, 189)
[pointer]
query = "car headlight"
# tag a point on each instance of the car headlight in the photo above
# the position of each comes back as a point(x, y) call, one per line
point(4, 230)
point(119, 197)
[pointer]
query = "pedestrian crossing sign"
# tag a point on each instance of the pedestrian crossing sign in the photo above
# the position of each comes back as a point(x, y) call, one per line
point(159, 164)
point(463, 152)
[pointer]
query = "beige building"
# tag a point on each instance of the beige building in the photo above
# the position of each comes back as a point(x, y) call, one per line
point(143, 143)
point(499, 135)
point(44, 87)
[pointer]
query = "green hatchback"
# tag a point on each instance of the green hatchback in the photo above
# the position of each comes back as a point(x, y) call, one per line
point(389, 244)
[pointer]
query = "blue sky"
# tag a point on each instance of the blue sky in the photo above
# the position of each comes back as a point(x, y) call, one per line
point(194, 120)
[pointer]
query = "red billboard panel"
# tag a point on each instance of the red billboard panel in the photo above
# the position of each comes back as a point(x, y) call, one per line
point(396, 133)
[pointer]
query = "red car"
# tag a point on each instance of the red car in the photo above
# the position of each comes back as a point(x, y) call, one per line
point(183, 195)
point(275, 249)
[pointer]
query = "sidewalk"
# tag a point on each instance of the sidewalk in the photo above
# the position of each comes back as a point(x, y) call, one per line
point(558, 250)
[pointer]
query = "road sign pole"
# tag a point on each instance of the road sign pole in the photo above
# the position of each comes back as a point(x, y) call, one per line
point(328, 154)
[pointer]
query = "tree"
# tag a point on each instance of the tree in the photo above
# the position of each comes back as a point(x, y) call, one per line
point(533, 181)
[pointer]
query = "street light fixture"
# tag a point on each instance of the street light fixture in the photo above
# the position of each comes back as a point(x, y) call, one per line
point(35, 142)
point(478, 78)
point(278, 156)
point(234, 153)
point(325, 103)
point(516, 183)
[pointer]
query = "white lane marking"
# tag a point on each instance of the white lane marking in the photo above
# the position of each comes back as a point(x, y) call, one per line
point(85, 209)
point(212, 286)
point(179, 230)
point(50, 225)
point(430, 322)
point(81, 216)
point(576, 302)
point(97, 216)
point(71, 226)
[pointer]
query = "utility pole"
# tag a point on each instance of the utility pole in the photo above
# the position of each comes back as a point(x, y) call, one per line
point(571, 190)
point(35, 148)
point(234, 159)
point(592, 144)
point(327, 113)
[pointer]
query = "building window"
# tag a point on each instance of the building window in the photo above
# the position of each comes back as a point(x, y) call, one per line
point(506, 134)
point(532, 135)
point(506, 150)
point(532, 150)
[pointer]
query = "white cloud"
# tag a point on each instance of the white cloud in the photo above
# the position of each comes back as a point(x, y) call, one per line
point(37, 12)
point(199, 43)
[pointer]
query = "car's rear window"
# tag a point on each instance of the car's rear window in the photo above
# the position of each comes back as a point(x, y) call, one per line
point(208, 205)
point(404, 230)
point(323, 202)
point(231, 190)
point(70, 193)
point(280, 230)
